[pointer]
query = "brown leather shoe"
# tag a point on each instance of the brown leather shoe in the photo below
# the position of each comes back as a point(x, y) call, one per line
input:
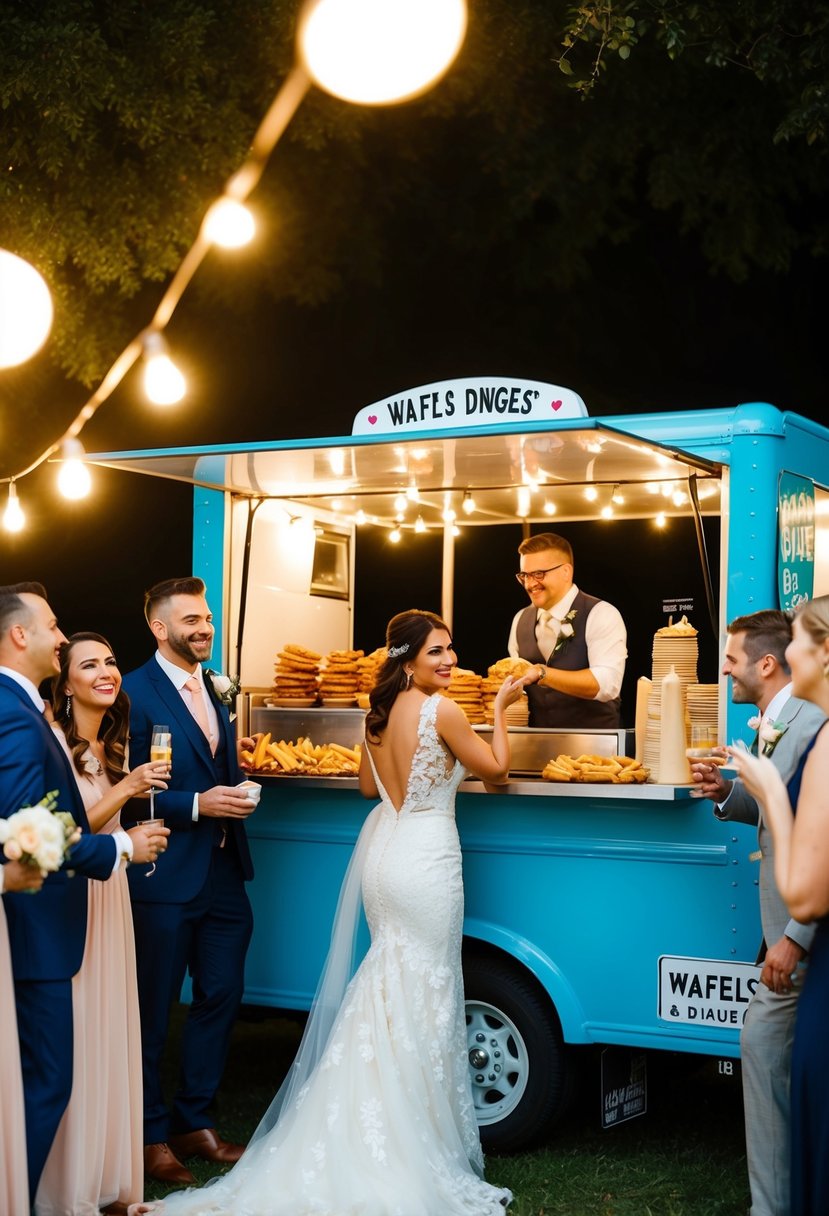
point(161, 1164)
point(207, 1144)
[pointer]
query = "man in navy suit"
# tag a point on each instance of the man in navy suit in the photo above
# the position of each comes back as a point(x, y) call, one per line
point(193, 912)
point(47, 934)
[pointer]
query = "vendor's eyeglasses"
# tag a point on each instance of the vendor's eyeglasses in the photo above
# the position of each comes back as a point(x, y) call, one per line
point(536, 576)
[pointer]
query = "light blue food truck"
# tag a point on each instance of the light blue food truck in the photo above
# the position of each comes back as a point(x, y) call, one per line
point(618, 915)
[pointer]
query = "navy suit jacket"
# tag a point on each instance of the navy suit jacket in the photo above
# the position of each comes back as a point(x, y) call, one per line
point(182, 869)
point(47, 931)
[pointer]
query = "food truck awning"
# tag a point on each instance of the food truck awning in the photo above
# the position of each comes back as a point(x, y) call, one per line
point(513, 472)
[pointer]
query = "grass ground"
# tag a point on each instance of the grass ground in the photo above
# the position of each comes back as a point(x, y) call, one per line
point(685, 1157)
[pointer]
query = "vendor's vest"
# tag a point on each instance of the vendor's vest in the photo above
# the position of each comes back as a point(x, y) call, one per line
point(555, 709)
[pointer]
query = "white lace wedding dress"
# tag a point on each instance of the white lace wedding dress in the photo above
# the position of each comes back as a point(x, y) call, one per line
point(376, 1118)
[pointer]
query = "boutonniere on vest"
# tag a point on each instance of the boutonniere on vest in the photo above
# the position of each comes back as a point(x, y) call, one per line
point(768, 733)
point(226, 688)
point(565, 632)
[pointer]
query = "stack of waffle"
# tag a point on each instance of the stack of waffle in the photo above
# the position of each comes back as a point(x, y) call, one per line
point(367, 668)
point(339, 678)
point(516, 714)
point(296, 676)
point(673, 646)
point(465, 690)
point(703, 702)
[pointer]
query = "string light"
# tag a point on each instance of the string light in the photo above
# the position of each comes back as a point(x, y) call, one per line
point(419, 524)
point(163, 382)
point(229, 223)
point(549, 507)
point(379, 51)
point(468, 504)
point(74, 480)
point(617, 496)
point(396, 49)
point(660, 519)
point(13, 517)
point(523, 501)
point(360, 517)
point(591, 493)
point(394, 536)
point(25, 310)
point(401, 502)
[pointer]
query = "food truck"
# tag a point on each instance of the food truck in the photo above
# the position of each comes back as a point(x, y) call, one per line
point(622, 915)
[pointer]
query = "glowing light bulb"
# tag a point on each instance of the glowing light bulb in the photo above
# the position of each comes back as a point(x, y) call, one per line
point(617, 496)
point(660, 520)
point(524, 500)
point(336, 461)
point(74, 480)
point(455, 530)
point(652, 487)
point(380, 51)
point(229, 223)
point(549, 507)
point(411, 492)
point(591, 493)
point(400, 503)
point(163, 382)
point(679, 497)
point(607, 512)
point(419, 524)
point(468, 504)
point(25, 310)
point(394, 536)
point(13, 518)
point(449, 515)
point(360, 517)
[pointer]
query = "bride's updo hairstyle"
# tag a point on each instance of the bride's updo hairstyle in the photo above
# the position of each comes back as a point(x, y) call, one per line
point(406, 636)
point(814, 617)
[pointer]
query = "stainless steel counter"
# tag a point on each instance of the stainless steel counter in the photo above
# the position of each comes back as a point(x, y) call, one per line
point(533, 787)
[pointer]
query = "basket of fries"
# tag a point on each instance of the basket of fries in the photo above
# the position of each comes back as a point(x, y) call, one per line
point(604, 770)
point(301, 756)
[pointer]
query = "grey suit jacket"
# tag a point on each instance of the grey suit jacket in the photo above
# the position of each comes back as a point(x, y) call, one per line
point(803, 720)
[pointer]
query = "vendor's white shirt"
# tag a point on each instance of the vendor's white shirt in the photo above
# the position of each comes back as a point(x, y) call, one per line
point(605, 636)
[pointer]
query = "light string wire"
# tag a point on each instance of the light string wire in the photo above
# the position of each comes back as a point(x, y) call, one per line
point(238, 187)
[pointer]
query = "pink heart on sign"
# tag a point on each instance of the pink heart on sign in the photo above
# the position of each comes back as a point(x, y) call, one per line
point(555, 405)
point(373, 418)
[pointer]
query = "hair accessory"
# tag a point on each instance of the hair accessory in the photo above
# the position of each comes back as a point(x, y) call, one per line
point(396, 651)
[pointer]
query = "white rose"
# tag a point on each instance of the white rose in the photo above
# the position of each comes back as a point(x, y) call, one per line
point(768, 732)
point(754, 723)
point(567, 629)
point(221, 683)
point(49, 857)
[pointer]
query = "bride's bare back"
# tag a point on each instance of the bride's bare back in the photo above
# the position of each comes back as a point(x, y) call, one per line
point(394, 754)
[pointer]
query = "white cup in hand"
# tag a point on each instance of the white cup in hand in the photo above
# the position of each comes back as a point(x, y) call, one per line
point(253, 790)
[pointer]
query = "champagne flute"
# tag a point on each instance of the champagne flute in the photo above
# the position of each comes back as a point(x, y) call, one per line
point(161, 752)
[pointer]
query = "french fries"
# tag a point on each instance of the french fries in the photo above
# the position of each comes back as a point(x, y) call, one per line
point(302, 756)
point(602, 770)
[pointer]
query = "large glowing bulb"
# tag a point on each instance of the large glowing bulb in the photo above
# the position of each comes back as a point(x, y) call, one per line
point(74, 480)
point(163, 382)
point(394, 536)
point(25, 310)
point(229, 223)
point(13, 517)
point(468, 504)
point(379, 51)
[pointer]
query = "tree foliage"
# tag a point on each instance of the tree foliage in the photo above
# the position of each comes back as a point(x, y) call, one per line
point(121, 121)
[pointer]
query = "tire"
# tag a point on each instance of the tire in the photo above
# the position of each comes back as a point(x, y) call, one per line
point(522, 1074)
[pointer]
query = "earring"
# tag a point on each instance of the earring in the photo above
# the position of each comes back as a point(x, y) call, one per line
point(409, 675)
point(67, 709)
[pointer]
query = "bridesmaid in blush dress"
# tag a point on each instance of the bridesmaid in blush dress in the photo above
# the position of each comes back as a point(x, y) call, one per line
point(14, 1182)
point(96, 1161)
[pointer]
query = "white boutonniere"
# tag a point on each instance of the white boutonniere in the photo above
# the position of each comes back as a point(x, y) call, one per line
point(226, 688)
point(768, 733)
point(566, 632)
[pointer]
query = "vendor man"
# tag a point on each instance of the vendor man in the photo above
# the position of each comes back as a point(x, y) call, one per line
point(578, 643)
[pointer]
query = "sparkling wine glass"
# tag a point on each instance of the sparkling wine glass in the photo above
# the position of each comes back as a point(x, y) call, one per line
point(161, 752)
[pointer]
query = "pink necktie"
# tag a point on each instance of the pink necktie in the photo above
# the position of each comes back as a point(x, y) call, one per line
point(199, 709)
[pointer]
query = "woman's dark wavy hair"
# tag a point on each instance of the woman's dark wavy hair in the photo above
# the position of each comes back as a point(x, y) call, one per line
point(114, 727)
point(409, 629)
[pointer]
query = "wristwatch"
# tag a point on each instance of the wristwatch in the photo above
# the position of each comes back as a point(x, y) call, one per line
point(125, 857)
point(542, 669)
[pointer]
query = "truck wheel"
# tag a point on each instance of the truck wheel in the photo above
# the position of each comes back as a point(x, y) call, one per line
point(521, 1072)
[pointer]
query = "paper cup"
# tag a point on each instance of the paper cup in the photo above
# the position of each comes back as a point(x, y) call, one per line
point(253, 790)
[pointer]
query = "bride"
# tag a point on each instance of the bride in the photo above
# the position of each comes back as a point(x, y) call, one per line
point(375, 1117)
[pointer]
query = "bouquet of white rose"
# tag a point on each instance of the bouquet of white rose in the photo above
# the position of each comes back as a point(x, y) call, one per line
point(39, 835)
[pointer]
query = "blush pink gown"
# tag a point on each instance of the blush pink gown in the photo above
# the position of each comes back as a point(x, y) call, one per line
point(98, 1156)
point(14, 1183)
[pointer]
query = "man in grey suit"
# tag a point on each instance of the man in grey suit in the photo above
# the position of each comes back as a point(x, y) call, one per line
point(755, 659)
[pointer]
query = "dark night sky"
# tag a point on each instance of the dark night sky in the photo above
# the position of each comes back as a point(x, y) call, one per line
point(649, 329)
